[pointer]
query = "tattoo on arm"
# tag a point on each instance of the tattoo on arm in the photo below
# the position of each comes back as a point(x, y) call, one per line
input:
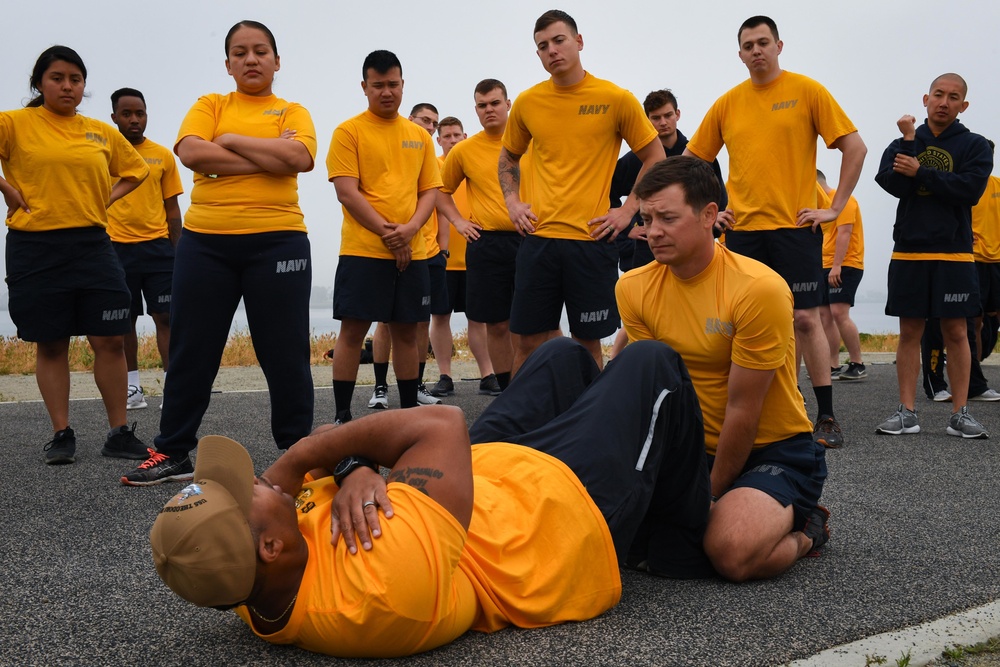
point(415, 477)
point(509, 173)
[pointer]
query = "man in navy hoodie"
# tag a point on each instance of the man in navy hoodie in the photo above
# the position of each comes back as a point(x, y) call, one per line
point(938, 171)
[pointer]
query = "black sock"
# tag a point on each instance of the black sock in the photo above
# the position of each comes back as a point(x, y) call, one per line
point(824, 400)
point(420, 372)
point(503, 379)
point(381, 374)
point(407, 392)
point(343, 392)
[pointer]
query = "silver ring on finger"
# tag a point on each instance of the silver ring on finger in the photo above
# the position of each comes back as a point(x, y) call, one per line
point(370, 503)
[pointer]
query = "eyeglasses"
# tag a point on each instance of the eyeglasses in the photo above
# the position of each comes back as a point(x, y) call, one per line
point(427, 120)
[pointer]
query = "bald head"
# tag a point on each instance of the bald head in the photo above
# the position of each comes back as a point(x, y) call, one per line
point(951, 76)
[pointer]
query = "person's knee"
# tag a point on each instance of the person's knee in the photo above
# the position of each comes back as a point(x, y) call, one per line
point(807, 321)
point(107, 344)
point(729, 556)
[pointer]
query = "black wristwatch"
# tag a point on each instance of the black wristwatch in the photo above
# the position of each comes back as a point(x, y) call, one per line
point(447, 254)
point(349, 465)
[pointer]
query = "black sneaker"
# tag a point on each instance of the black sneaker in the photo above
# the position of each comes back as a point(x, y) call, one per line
point(343, 417)
point(853, 372)
point(817, 527)
point(122, 444)
point(61, 448)
point(159, 468)
point(444, 387)
point(489, 385)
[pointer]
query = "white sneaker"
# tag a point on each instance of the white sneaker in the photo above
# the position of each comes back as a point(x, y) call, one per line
point(380, 398)
point(942, 396)
point(136, 399)
point(424, 397)
point(988, 395)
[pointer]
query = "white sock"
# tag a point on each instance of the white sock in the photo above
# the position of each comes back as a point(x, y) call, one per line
point(133, 378)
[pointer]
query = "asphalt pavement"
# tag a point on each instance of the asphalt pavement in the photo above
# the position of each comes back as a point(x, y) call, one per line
point(914, 537)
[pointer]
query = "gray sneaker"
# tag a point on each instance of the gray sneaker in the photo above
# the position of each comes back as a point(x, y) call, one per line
point(963, 425)
point(424, 397)
point(900, 422)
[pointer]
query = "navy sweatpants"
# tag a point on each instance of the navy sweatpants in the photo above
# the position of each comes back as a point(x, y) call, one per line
point(272, 272)
point(633, 435)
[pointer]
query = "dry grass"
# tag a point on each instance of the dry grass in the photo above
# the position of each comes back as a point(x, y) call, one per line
point(18, 357)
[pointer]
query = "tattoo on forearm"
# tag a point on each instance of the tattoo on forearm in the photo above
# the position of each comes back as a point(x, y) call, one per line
point(415, 477)
point(509, 173)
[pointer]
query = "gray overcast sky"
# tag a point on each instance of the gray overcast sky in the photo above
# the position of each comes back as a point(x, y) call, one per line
point(877, 58)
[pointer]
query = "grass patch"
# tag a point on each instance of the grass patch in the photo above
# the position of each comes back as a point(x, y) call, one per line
point(17, 357)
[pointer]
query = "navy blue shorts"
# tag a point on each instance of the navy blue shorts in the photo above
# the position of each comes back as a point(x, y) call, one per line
point(989, 286)
point(790, 471)
point(850, 279)
point(65, 282)
point(490, 267)
point(554, 272)
point(795, 254)
point(149, 271)
point(456, 291)
point(373, 290)
point(437, 269)
point(932, 288)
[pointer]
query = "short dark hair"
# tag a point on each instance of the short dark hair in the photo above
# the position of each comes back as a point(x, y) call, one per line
point(657, 99)
point(246, 23)
point(554, 16)
point(820, 175)
point(755, 21)
point(124, 92)
point(417, 108)
point(448, 121)
point(381, 61)
point(489, 85)
point(42, 64)
point(694, 175)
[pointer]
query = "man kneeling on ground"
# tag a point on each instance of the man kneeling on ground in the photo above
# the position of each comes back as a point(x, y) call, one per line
point(730, 319)
point(578, 472)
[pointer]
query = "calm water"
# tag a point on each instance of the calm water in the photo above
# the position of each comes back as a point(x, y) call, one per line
point(869, 316)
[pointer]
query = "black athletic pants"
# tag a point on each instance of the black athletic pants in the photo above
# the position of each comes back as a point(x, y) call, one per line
point(272, 272)
point(632, 434)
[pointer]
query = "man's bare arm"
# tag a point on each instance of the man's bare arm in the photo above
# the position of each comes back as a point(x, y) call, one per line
point(853, 151)
point(429, 451)
point(509, 173)
point(173, 211)
point(746, 391)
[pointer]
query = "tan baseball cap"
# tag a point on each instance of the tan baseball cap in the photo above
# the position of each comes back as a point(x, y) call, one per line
point(202, 545)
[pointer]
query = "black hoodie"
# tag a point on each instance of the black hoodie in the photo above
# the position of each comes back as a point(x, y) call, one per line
point(934, 214)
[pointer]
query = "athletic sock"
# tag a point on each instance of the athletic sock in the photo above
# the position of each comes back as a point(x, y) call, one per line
point(407, 392)
point(343, 392)
point(503, 379)
point(133, 378)
point(381, 374)
point(420, 372)
point(824, 400)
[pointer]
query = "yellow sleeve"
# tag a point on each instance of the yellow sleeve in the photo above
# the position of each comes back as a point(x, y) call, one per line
point(170, 182)
point(707, 140)
point(634, 125)
point(516, 136)
point(342, 158)
point(453, 171)
point(125, 162)
point(628, 308)
point(201, 120)
point(763, 322)
point(297, 118)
